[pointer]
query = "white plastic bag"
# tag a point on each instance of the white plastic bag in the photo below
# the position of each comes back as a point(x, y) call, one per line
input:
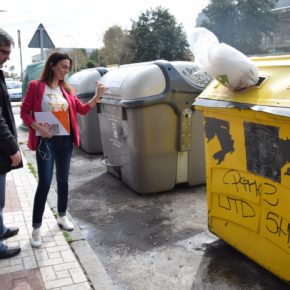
point(221, 61)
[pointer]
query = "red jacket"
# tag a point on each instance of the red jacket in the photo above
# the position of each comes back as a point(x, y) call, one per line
point(32, 103)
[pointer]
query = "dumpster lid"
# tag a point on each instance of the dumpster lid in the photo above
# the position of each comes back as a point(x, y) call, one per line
point(271, 94)
point(147, 79)
point(84, 81)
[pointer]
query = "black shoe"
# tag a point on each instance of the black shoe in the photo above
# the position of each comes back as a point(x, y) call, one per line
point(13, 231)
point(10, 252)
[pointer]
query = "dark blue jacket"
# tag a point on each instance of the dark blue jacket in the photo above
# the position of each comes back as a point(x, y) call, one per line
point(8, 134)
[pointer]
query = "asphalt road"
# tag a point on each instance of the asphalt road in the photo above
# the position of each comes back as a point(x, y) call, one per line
point(152, 242)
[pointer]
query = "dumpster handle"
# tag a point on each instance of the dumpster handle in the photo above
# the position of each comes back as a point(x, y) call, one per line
point(104, 161)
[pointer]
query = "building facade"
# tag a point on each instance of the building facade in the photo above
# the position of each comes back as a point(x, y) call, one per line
point(279, 42)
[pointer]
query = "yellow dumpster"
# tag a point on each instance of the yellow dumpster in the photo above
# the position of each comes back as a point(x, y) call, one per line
point(247, 140)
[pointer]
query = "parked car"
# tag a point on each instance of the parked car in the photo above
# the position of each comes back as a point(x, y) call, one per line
point(14, 90)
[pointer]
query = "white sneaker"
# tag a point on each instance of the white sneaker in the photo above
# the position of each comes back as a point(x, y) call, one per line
point(65, 223)
point(36, 238)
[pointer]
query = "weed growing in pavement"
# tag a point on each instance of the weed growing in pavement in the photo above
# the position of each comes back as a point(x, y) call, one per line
point(32, 169)
point(67, 237)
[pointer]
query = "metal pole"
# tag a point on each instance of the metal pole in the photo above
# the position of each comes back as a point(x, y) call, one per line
point(41, 45)
point(20, 50)
point(75, 59)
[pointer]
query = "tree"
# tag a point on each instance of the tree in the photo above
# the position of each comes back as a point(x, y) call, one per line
point(94, 58)
point(156, 35)
point(82, 58)
point(114, 51)
point(90, 64)
point(241, 23)
point(79, 57)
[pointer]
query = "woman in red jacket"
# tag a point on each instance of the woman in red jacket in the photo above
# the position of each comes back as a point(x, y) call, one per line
point(52, 94)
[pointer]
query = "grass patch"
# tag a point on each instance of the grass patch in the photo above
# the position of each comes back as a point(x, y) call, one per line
point(67, 237)
point(32, 169)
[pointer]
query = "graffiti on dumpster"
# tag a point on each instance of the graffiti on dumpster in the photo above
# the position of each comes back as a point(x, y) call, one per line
point(239, 206)
point(117, 134)
point(266, 153)
point(278, 226)
point(195, 77)
point(240, 199)
point(242, 184)
point(220, 128)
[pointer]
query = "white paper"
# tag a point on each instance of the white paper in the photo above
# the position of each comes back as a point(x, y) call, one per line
point(58, 126)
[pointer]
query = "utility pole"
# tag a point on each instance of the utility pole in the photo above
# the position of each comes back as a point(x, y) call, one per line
point(20, 50)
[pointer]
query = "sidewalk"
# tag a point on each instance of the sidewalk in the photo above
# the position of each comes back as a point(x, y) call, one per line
point(53, 265)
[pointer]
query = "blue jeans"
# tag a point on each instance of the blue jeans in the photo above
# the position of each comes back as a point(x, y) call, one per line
point(2, 204)
point(58, 150)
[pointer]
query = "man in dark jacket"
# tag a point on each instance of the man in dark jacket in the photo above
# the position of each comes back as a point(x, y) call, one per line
point(10, 157)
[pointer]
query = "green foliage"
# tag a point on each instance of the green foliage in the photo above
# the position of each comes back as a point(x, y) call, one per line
point(94, 55)
point(156, 35)
point(90, 64)
point(241, 23)
point(84, 52)
point(94, 58)
point(114, 51)
point(67, 237)
point(32, 169)
point(79, 57)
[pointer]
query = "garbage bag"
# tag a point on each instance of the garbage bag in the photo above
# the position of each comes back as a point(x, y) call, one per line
point(221, 61)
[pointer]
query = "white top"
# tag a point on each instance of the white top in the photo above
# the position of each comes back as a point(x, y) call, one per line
point(53, 100)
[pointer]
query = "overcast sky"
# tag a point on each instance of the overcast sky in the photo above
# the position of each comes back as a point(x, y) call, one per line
point(82, 23)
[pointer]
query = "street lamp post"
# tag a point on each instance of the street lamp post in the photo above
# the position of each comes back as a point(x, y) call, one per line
point(20, 50)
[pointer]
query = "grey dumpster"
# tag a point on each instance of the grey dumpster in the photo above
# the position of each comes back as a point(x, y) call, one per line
point(84, 83)
point(151, 138)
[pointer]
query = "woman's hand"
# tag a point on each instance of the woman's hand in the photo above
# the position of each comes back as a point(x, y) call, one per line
point(44, 131)
point(100, 89)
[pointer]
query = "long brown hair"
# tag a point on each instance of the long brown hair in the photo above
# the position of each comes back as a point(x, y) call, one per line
point(48, 74)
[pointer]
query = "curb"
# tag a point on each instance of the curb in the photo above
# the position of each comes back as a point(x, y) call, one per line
point(91, 264)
